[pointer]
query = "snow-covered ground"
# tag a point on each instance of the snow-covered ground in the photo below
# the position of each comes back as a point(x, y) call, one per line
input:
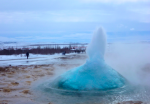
point(134, 52)
point(23, 56)
point(34, 59)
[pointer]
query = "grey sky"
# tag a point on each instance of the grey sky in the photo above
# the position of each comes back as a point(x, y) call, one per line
point(38, 20)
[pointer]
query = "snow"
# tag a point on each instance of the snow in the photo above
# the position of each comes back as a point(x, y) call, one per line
point(22, 56)
point(34, 59)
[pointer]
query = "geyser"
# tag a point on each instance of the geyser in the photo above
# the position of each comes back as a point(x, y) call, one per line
point(95, 74)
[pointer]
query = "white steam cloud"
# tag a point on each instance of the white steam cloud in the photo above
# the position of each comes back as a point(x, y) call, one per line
point(132, 60)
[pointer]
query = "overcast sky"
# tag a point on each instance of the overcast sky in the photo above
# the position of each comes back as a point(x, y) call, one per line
point(71, 20)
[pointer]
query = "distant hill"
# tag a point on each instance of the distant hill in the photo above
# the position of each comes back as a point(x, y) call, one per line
point(7, 42)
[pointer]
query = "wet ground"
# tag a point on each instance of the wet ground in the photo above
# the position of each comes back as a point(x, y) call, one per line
point(38, 59)
point(18, 80)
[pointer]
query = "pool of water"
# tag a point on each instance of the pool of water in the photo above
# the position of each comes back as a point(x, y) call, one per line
point(46, 93)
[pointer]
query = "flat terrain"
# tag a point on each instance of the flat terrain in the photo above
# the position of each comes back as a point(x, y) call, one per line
point(18, 77)
point(16, 81)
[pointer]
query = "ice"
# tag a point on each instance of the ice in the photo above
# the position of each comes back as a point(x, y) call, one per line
point(95, 74)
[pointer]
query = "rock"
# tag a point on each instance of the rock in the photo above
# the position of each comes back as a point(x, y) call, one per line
point(36, 66)
point(28, 82)
point(2, 69)
point(6, 90)
point(3, 101)
point(12, 71)
point(15, 83)
point(3, 74)
point(10, 76)
point(26, 91)
point(27, 76)
point(131, 102)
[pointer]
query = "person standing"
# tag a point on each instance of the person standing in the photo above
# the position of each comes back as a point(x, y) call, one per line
point(63, 53)
point(27, 54)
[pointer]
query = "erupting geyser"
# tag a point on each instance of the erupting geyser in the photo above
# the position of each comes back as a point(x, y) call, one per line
point(95, 74)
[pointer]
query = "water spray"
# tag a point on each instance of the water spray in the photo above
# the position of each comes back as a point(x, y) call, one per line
point(95, 74)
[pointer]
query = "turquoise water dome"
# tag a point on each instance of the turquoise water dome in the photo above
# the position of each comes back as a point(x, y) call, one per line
point(95, 74)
